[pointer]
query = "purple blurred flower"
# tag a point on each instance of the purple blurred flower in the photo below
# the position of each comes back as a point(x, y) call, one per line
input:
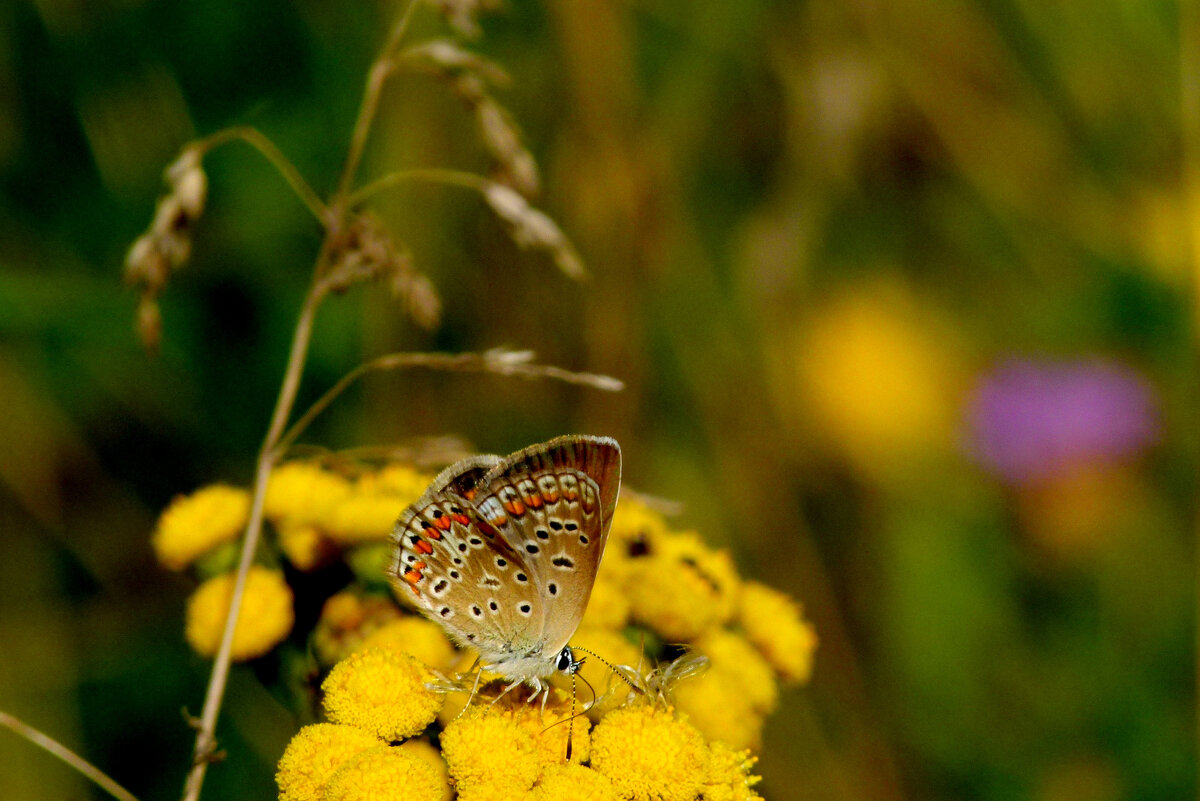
point(1030, 420)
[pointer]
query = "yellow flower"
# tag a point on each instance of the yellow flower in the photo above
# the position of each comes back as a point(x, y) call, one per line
point(304, 545)
point(383, 691)
point(301, 492)
point(550, 729)
point(192, 525)
point(387, 772)
point(648, 753)
point(400, 480)
point(362, 517)
point(416, 636)
point(346, 619)
point(875, 370)
point(729, 777)
point(490, 755)
point(609, 605)
point(573, 781)
point(314, 755)
point(729, 701)
point(773, 623)
point(265, 620)
point(635, 527)
point(682, 588)
point(422, 749)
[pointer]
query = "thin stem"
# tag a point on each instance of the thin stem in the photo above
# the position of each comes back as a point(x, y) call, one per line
point(433, 175)
point(271, 153)
point(379, 73)
point(500, 362)
point(66, 755)
point(207, 724)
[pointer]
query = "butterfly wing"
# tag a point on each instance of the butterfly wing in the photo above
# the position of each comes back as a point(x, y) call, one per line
point(458, 569)
point(554, 503)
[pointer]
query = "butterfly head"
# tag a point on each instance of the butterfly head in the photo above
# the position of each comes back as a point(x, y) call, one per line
point(566, 661)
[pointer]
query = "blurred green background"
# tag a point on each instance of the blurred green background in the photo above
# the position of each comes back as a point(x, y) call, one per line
point(815, 230)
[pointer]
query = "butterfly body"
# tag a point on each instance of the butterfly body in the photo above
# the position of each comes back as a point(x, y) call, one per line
point(503, 552)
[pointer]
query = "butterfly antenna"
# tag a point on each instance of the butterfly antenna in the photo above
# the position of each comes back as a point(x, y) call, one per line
point(610, 666)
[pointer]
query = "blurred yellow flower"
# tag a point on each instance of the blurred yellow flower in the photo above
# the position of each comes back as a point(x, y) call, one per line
point(681, 588)
point(879, 378)
point(346, 619)
point(416, 636)
point(387, 772)
point(314, 755)
point(729, 701)
point(773, 622)
point(193, 525)
point(301, 492)
point(383, 691)
point(304, 545)
point(573, 781)
point(400, 480)
point(362, 517)
point(650, 754)
point(635, 526)
point(609, 605)
point(490, 755)
point(729, 777)
point(265, 619)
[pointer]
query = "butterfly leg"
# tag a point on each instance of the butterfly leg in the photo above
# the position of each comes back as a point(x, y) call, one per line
point(506, 691)
point(474, 690)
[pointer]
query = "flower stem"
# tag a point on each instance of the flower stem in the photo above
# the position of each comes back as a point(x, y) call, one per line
point(273, 154)
point(433, 175)
point(59, 750)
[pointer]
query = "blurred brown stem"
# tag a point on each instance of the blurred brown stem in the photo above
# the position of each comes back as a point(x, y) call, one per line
point(66, 755)
point(271, 153)
point(333, 216)
point(433, 175)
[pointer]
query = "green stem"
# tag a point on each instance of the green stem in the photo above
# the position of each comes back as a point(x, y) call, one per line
point(271, 153)
point(432, 175)
point(66, 755)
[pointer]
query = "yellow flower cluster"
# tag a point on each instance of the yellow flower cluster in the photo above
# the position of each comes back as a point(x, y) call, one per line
point(685, 734)
point(317, 511)
point(195, 524)
point(676, 589)
point(265, 619)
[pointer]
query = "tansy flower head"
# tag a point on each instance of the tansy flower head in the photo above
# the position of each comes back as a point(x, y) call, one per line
point(573, 781)
point(387, 772)
point(635, 528)
point(193, 525)
point(422, 749)
point(550, 729)
point(729, 701)
point(265, 620)
point(402, 481)
point(609, 605)
point(314, 755)
point(681, 588)
point(383, 691)
point(362, 517)
point(304, 545)
point(773, 623)
point(346, 620)
point(729, 777)
point(650, 754)
point(303, 492)
point(490, 755)
point(415, 636)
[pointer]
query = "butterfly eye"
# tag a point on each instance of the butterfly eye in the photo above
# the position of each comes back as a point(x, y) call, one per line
point(566, 661)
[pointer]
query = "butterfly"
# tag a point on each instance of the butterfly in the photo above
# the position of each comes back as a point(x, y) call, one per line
point(502, 552)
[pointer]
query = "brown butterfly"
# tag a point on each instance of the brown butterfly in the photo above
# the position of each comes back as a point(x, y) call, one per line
point(502, 553)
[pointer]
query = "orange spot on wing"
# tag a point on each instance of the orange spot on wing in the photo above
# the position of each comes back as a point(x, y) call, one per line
point(443, 523)
point(419, 566)
point(535, 501)
point(515, 508)
point(416, 592)
point(469, 495)
point(412, 576)
point(461, 519)
point(433, 534)
point(424, 547)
